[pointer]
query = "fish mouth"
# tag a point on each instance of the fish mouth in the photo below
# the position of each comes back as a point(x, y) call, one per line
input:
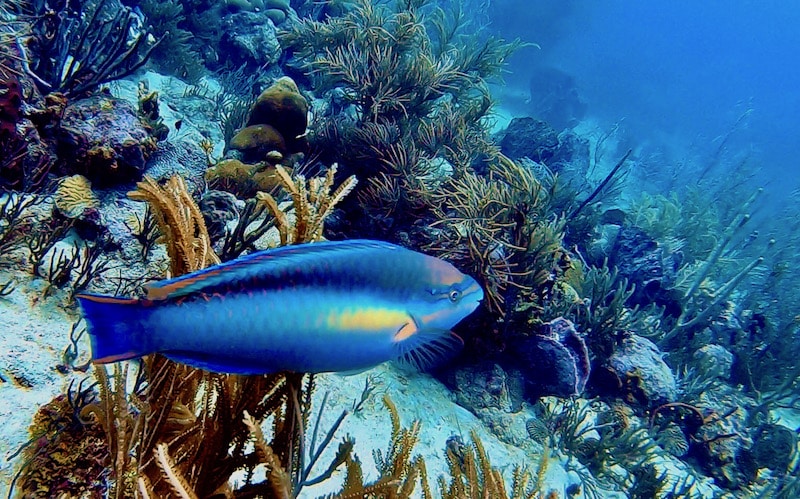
point(475, 292)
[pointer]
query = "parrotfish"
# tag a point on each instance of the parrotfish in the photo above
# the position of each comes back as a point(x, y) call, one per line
point(341, 306)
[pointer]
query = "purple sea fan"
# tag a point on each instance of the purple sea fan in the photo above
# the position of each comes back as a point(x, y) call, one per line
point(563, 331)
point(554, 361)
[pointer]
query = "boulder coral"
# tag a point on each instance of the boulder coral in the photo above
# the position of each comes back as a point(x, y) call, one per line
point(283, 107)
point(275, 10)
point(242, 179)
point(104, 139)
point(256, 141)
point(74, 196)
point(276, 127)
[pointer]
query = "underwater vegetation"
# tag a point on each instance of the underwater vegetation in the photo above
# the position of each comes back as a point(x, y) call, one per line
point(666, 321)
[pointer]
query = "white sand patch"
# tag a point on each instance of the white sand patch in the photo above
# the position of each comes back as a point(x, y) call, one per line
point(33, 333)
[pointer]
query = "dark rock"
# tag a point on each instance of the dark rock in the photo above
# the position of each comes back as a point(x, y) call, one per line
point(494, 395)
point(718, 444)
point(554, 362)
point(613, 216)
point(531, 138)
point(555, 99)
point(637, 373)
point(250, 38)
point(641, 261)
point(772, 448)
point(218, 208)
point(102, 138)
point(10, 108)
point(486, 386)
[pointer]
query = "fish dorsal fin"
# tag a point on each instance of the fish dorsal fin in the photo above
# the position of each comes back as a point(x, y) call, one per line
point(260, 266)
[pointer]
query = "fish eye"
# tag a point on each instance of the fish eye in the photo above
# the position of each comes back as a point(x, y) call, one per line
point(454, 295)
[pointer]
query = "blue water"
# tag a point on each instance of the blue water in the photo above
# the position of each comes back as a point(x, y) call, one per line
point(680, 72)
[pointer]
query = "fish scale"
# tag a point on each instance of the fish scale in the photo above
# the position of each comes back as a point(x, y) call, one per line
point(322, 307)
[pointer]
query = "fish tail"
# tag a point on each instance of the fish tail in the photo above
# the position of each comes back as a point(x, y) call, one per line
point(115, 327)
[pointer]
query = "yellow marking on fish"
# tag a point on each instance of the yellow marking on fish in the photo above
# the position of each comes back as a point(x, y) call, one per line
point(367, 319)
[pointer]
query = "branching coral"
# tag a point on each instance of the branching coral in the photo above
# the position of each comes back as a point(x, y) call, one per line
point(604, 316)
point(699, 307)
point(313, 201)
point(15, 219)
point(244, 236)
point(472, 475)
point(497, 227)
point(180, 222)
point(144, 229)
point(74, 52)
point(400, 70)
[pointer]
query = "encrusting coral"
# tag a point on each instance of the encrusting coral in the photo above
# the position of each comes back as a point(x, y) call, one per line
point(243, 179)
point(284, 108)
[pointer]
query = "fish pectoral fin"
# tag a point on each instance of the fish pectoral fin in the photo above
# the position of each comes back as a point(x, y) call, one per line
point(426, 348)
point(406, 331)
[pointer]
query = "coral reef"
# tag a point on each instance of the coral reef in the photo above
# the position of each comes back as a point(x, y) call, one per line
point(665, 322)
point(103, 139)
point(74, 52)
point(403, 81)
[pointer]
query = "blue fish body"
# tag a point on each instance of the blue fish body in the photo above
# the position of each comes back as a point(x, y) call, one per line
point(322, 307)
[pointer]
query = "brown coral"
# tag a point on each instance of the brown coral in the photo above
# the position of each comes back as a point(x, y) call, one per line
point(74, 196)
point(67, 457)
point(181, 223)
point(255, 141)
point(242, 179)
point(282, 106)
